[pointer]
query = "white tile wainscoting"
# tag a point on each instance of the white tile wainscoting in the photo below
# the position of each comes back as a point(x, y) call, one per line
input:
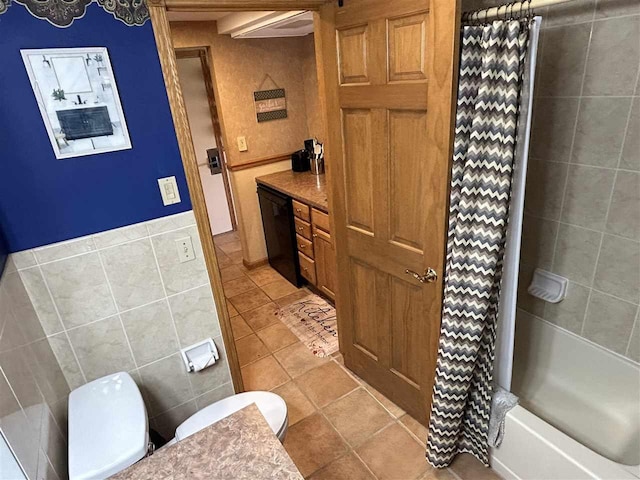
point(120, 300)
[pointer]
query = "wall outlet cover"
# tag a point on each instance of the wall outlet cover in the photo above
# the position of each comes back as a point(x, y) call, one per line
point(242, 144)
point(185, 249)
point(169, 190)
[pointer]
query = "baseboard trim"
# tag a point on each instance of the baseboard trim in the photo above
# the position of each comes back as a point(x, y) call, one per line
point(256, 264)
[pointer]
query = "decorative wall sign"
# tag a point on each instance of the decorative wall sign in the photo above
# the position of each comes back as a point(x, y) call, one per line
point(62, 13)
point(78, 100)
point(270, 104)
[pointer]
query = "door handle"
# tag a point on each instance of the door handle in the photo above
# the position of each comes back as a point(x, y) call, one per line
point(430, 275)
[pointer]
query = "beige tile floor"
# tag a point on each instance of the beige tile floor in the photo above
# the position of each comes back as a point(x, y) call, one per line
point(339, 427)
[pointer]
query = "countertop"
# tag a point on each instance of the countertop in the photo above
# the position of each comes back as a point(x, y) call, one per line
point(241, 446)
point(303, 186)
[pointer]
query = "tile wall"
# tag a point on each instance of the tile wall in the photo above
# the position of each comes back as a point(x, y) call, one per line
point(121, 301)
point(582, 209)
point(33, 389)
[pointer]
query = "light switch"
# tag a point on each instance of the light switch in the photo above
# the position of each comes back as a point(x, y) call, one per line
point(169, 190)
point(185, 249)
point(242, 144)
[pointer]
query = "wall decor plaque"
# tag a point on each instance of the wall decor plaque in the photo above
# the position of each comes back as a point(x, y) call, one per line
point(78, 99)
point(270, 104)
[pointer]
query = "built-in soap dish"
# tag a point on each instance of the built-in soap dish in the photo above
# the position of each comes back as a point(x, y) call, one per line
point(548, 286)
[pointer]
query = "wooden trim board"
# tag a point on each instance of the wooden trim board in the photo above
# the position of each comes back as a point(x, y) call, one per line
point(256, 264)
point(259, 161)
point(237, 5)
point(162, 34)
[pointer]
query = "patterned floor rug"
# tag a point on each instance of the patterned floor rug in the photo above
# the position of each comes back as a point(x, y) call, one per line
point(313, 320)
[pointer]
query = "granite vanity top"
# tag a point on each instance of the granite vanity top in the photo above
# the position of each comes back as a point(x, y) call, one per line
point(303, 186)
point(241, 446)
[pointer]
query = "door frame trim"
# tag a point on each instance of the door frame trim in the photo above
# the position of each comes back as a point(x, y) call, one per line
point(166, 53)
point(204, 54)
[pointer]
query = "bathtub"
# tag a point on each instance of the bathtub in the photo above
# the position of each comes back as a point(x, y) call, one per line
point(579, 412)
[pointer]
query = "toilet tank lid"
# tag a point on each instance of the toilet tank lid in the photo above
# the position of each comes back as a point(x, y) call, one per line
point(108, 427)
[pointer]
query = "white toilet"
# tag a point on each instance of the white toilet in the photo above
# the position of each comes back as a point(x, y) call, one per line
point(109, 429)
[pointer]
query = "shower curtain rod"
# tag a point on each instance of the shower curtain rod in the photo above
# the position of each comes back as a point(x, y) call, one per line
point(508, 8)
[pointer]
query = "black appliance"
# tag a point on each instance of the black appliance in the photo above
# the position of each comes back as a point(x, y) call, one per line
point(309, 145)
point(279, 233)
point(300, 161)
point(87, 122)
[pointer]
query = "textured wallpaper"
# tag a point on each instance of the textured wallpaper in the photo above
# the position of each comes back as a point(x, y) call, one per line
point(239, 68)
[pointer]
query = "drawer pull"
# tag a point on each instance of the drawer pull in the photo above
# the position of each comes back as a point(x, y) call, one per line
point(298, 210)
point(302, 246)
point(300, 229)
point(315, 235)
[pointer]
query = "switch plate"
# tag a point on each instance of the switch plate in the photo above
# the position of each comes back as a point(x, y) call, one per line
point(169, 190)
point(242, 144)
point(185, 249)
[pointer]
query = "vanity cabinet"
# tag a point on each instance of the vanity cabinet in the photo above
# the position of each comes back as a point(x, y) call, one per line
point(315, 247)
point(325, 262)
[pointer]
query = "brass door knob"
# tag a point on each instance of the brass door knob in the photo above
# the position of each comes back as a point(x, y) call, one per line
point(430, 275)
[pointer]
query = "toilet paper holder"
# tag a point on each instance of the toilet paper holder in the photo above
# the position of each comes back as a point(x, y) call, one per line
point(200, 355)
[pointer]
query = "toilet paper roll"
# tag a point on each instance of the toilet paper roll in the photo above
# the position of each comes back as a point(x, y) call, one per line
point(201, 362)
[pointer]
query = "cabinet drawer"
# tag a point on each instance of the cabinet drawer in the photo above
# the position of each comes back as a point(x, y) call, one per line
point(301, 210)
point(307, 268)
point(320, 220)
point(303, 228)
point(305, 246)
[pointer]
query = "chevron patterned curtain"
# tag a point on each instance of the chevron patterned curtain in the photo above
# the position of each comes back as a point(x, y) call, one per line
point(491, 67)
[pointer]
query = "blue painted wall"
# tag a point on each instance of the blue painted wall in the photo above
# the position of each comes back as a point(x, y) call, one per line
point(45, 200)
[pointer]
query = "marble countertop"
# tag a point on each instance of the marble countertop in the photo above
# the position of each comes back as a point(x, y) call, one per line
point(303, 186)
point(241, 446)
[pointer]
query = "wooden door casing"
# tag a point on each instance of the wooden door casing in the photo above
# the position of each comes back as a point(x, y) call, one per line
point(389, 118)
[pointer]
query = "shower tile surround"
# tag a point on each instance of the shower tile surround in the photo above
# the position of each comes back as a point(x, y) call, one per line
point(33, 389)
point(582, 208)
point(121, 301)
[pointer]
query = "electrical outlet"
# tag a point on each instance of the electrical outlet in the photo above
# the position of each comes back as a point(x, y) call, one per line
point(185, 249)
point(242, 144)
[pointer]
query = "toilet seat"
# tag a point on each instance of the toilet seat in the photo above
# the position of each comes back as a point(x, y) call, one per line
point(272, 407)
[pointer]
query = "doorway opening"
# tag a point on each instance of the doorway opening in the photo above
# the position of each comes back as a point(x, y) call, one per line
point(383, 115)
point(223, 59)
point(194, 72)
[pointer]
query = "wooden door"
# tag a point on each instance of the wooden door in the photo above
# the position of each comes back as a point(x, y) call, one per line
point(389, 127)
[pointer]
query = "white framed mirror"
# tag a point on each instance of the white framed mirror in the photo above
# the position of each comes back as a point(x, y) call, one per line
point(78, 99)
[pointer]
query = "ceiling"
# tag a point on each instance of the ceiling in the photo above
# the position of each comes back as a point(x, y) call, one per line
point(266, 24)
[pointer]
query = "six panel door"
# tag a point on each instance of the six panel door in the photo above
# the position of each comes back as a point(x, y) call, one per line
point(389, 173)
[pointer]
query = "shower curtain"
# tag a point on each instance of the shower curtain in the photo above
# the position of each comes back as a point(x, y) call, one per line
point(490, 81)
